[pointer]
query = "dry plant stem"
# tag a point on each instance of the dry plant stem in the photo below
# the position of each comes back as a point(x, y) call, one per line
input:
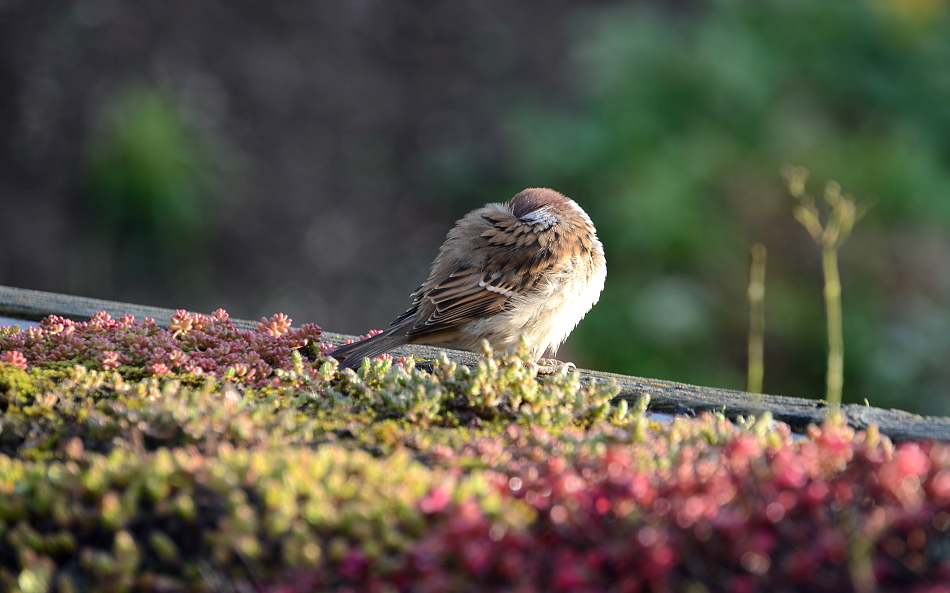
point(830, 236)
point(756, 318)
point(835, 339)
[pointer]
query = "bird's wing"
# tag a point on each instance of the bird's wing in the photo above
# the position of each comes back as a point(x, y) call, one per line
point(468, 293)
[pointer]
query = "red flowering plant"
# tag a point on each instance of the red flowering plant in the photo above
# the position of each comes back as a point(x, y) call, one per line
point(205, 457)
point(191, 344)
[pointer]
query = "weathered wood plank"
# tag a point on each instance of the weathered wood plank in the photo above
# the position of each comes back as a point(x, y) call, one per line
point(665, 396)
point(34, 305)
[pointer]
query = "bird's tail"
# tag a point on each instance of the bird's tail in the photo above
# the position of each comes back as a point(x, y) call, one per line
point(352, 355)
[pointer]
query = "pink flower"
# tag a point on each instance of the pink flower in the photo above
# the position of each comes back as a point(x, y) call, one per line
point(109, 360)
point(181, 322)
point(14, 357)
point(911, 460)
point(940, 486)
point(277, 325)
point(158, 369)
point(435, 501)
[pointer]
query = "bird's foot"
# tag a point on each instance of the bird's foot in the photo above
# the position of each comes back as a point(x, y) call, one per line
point(549, 366)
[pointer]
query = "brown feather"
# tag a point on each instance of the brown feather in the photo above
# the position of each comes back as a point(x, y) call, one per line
point(533, 265)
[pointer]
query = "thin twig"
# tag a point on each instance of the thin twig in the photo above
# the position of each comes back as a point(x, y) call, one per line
point(756, 318)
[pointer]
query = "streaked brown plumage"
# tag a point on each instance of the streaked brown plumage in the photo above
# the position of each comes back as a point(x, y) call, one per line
point(531, 267)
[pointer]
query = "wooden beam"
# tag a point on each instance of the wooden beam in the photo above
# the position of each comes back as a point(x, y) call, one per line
point(665, 396)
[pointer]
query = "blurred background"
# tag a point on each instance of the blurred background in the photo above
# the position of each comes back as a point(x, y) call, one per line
point(308, 157)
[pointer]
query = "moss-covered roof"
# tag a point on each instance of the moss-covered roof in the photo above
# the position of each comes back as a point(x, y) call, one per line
point(202, 456)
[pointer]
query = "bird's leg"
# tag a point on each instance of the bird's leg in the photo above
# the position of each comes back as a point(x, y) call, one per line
point(548, 366)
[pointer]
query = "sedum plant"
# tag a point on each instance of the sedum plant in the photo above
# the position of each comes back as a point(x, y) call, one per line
point(269, 469)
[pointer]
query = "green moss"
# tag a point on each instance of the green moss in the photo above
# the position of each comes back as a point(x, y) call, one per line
point(139, 483)
point(18, 386)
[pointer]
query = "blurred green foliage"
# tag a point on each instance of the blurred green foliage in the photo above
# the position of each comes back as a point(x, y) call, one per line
point(674, 140)
point(677, 123)
point(150, 181)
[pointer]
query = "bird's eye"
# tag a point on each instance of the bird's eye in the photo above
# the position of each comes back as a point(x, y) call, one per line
point(541, 216)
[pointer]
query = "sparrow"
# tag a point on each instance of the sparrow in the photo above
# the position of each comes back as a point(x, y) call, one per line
point(532, 267)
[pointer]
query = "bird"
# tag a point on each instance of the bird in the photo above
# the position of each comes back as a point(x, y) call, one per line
point(531, 267)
